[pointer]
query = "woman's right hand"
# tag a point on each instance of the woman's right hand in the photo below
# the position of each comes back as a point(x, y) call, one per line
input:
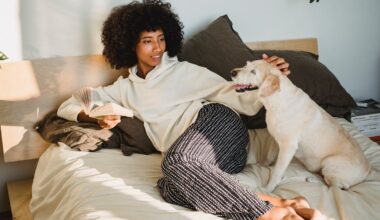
point(109, 121)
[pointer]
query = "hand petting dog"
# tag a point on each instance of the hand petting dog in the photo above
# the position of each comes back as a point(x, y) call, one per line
point(278, 62)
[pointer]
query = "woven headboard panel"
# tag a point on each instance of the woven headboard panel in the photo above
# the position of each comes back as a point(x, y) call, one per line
point(31, 89)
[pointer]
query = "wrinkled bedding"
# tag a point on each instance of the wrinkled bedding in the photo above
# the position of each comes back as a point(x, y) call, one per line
point(70, 184)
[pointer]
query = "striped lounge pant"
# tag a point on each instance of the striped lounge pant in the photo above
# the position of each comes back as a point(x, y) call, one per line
point(198, 165)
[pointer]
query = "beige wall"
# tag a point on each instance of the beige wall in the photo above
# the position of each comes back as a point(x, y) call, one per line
point(348, 31)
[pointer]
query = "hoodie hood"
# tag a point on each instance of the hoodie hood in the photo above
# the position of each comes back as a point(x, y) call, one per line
point(166, 63)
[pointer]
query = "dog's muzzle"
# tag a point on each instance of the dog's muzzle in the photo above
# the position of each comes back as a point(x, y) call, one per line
point(244, 87)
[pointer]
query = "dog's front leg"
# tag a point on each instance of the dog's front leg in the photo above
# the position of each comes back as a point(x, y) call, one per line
point(285, 155)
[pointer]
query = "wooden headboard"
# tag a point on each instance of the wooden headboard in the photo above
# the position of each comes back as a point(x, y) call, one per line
point(31, 89)
point(306, 44)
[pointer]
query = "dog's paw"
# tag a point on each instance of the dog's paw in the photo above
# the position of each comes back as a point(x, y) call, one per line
point(333, 181)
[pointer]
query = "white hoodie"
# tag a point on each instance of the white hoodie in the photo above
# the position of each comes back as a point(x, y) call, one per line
point(169, 98)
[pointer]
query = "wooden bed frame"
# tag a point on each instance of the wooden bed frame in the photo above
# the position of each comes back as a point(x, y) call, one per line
point(31, 89)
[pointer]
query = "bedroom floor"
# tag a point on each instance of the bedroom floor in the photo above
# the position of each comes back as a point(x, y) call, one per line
point(5, 216)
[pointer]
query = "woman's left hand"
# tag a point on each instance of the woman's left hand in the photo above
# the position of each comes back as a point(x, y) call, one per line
point(109, 121)
point(279, 62)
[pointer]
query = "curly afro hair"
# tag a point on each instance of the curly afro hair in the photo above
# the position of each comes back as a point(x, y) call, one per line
point(122, 29)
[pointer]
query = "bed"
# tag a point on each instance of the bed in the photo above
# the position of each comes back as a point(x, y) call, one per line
point(72, 184)
point(107, 185)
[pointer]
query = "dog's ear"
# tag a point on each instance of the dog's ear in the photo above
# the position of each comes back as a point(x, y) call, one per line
point(270, 85)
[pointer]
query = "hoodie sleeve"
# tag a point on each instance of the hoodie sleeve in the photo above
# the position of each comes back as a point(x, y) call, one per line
point(70, 108)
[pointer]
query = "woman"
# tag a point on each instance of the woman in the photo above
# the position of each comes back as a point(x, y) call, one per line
point(195, 125)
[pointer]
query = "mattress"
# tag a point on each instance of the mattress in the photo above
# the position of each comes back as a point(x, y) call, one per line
point(106, 184)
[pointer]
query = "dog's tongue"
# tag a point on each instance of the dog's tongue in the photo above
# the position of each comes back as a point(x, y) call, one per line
point(240, 86)
point(244, 87)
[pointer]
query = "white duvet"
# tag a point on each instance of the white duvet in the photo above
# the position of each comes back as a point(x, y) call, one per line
point(107, 185)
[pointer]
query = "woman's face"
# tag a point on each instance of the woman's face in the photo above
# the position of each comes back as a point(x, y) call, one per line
point(149, 50)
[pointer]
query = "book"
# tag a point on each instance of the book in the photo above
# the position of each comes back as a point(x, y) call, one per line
point(367, 119)
point(363, 111)
point(376, 139)
point(368, 103)
point(94, 108)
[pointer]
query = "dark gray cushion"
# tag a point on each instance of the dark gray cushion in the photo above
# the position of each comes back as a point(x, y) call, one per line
point(220, 49)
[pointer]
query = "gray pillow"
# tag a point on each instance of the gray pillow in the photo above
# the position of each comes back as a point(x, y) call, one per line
point(313, 77)
point(220, 49)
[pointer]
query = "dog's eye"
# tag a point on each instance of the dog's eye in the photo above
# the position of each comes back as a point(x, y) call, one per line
point(253, 71)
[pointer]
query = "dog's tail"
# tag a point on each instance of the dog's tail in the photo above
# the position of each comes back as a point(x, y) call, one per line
point(374, 175)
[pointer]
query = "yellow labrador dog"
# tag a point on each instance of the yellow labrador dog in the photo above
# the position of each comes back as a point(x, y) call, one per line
point(302, 129)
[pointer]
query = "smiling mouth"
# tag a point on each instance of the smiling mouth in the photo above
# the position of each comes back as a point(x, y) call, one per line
point(244, 87)
point(157, 57)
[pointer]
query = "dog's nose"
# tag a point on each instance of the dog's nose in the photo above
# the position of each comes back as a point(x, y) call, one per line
point(234, 73)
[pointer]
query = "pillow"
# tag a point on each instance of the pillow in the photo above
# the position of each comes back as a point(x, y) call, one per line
point(220, 49)
point(129, 135)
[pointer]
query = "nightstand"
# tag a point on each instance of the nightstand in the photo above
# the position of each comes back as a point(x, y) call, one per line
point(20, 195)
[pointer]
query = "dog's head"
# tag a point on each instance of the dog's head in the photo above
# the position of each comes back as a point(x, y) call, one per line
point(256, 74)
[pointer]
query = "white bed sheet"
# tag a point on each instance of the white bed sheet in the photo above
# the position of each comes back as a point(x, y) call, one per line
point(107, 185)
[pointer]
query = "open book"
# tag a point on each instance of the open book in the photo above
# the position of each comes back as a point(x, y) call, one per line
point(88, 100)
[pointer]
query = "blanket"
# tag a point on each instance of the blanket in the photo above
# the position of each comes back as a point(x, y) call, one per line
point(129, 135)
